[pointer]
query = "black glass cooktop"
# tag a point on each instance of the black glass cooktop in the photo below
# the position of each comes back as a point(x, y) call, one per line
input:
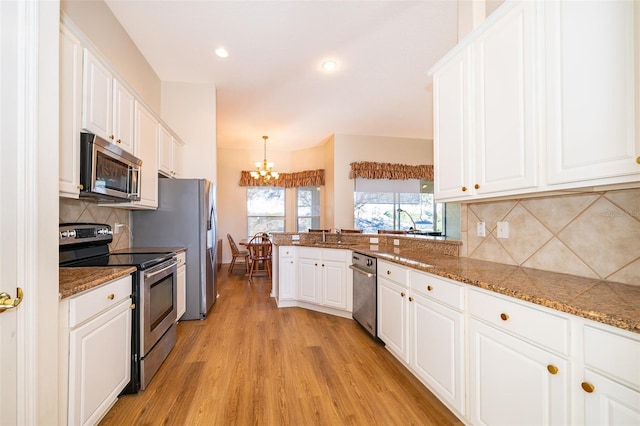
point(139, 260)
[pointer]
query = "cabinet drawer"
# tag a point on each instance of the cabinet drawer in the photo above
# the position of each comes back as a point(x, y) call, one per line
point(613, 354)
point(393, 272)
point(541, 327)
point(438, 289)
point(286, 252)
point(309, 252)
point(98, 299)
point(336, 254)
point(182, 258)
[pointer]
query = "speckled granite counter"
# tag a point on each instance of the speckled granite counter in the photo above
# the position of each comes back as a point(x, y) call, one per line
point(75, 280)
point(606, 302)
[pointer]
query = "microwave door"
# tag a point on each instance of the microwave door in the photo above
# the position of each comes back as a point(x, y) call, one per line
point(110, 175)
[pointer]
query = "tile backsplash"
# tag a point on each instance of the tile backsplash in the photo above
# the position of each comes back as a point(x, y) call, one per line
point(594, 234)
point(85, 211)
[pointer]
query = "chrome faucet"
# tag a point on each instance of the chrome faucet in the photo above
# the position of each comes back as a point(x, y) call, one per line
point(407, 213)
point(339, 232)
point(324, 237)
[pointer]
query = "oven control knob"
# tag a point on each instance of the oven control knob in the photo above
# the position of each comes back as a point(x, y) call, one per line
point(68, 234)
point(104, 231)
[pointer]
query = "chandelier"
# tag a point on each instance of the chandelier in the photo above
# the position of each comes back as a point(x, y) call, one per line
point(264, 172)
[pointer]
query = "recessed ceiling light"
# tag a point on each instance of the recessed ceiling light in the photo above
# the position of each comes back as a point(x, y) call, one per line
point(222, 52)
point(329, 65)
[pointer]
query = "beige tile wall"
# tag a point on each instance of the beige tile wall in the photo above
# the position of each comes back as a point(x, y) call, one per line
point(593, 235)
point(85, 211)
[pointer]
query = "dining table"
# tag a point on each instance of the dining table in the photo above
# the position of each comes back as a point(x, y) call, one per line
point(259, 248)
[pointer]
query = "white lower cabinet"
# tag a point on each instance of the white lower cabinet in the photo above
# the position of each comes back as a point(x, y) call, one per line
point(512, 382)
point(95, 351)
point(315, 278)
point(608, 379)
point(437, 349)
point(393, 316)
point(287, 274)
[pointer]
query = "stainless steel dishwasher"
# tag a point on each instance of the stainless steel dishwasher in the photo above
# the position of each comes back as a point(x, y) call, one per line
point(365, 291)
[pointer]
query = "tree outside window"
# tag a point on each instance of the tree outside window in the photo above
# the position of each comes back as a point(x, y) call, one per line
point(308, 207)
point(265, 209)
point(397, 205)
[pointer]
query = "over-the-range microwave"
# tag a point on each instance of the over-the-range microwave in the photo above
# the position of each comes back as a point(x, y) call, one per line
point(107, 172)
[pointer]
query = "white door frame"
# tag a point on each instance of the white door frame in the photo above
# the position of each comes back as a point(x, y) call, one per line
point(29, 210)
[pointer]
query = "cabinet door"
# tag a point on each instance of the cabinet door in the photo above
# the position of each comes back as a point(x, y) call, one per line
point(452, 128)
point(309, 282)
point(177, 158)
point(511, 381)
point(123, 117)
point(147, 142)
point(70, 113)
point(165, 151)
point(591, 83)
point(393, 317)
point(505, 104)
point(437, 349)
point(334, 284)
point(610, 403)
point(97, 93)
point(99, 359)
point(287, 276)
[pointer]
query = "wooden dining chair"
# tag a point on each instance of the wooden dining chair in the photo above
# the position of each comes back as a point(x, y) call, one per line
point(236, 253)
point(351, 231)
point(260, 251)
point(320, 230)
point(391, 231)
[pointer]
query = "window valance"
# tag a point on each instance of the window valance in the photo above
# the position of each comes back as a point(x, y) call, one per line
point(287, 180)
point(373, 170)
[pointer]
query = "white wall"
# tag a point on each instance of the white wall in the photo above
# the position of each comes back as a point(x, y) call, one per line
point(232, 212)
point(190, 110)
point(97, 22)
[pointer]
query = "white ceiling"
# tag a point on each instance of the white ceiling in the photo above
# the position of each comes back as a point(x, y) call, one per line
point(272, 83)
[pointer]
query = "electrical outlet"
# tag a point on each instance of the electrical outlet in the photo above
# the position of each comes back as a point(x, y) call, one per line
point(503, 229)
point(116, 227)
point(396, 242)
point(295, 237)
point(373, 240)
point(481, 231)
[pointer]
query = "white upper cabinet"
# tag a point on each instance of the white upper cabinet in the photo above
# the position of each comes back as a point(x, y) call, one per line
point(107, 106)
point(505, 104)
point(452, 127)
point(147, 141)
point(169, 153)
point(592, 86)
point(70, 112)
point(543, 96)
point(484, 111)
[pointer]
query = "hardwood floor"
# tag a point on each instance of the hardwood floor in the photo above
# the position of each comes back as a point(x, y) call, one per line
point(249, 362)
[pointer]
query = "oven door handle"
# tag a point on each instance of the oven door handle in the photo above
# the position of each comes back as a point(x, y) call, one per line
point(150, 274)
point(362, 271)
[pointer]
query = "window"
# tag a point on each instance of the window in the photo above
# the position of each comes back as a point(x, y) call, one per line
point(398, 205)
point(265, 209)
point(308, 207)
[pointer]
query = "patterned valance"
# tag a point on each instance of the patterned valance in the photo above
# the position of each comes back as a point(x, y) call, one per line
point(372, 170)
point(287, 180)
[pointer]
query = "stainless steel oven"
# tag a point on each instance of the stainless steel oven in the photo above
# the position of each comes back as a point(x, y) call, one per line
point(154, 293)
point(158, 314)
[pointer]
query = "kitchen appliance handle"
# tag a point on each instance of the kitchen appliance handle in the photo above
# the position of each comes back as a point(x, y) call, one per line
point(171, 264)
point(362, 271)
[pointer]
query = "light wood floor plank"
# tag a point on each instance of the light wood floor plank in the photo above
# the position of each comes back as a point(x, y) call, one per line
point(250, 363)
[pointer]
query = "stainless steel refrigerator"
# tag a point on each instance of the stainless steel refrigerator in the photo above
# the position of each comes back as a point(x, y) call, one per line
point(186, 217)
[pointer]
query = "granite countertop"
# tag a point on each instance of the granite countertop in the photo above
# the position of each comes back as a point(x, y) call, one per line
point(75, 280)
point(603, 301)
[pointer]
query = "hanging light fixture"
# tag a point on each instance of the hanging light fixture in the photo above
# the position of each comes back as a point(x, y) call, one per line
point(264, 172)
